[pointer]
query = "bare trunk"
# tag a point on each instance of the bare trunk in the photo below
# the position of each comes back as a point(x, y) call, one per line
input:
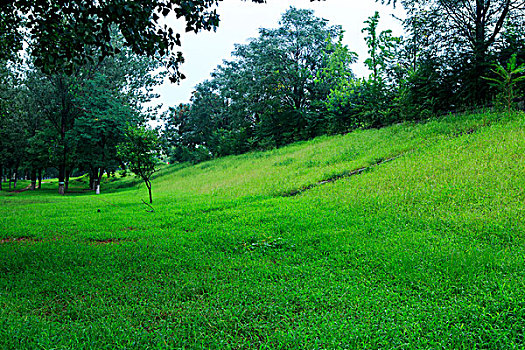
point(15, 179)
point(92, 179)
point(63, 120)
point(61, 179)
point(68, 175)
point(148, 185)
point(33, 179)
point(39, 178)
point(98, 180)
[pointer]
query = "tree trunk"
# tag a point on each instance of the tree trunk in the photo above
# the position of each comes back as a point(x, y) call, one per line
point(1, 176)
point(39, 178)
point(62, 130)
point(92, 179)
point(68, 174)
point(33, 179)
point(15, 179)
point(148, 185)
point(98, 180)
point(61, 179)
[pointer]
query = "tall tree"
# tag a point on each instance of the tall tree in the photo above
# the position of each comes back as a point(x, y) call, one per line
point(12, 135)
point(339, 79)
point(109, 98)
point(280, 67)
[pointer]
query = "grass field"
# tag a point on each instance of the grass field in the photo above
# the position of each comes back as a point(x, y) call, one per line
point(422, 249)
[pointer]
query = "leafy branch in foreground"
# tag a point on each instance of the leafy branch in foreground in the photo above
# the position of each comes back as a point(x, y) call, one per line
point(62, 33)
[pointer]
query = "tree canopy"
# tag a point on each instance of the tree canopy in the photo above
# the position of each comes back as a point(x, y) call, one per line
point(294, 82)
point(269, 95)
point(63, 33)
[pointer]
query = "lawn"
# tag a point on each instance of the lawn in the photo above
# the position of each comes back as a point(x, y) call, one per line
point(421, 247)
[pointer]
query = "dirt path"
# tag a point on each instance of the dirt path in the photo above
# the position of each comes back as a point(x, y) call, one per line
point(23, 189)
point(339, 177)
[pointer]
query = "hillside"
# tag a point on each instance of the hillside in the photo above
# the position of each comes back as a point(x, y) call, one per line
point(409, 236)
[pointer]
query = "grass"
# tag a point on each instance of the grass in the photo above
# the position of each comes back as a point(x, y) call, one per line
point(424, 251)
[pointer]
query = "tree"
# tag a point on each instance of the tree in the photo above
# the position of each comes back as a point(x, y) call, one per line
point(87, 110)
point(13, 139)
point(10, 37)
point(279, 71)
point(381, 46)
point(140, 152)
point(505, 81)
point(55, 100)
point(109, 98)
point(365, 102)
point(338, 77)
point(174, 131)
point(465, 32)
point(270, 94)
point(63, 33)
point(378, 92)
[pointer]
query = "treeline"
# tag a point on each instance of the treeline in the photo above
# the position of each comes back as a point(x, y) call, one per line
point(75, 119)
point(294, 82)
point(74, 77)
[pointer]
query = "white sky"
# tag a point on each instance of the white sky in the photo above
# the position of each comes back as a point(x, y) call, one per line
point(241, 20)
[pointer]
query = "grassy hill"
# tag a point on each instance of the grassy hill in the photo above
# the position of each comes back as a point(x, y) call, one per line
point(410, 236)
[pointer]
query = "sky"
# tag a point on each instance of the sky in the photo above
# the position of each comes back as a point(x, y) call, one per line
point(241, 20)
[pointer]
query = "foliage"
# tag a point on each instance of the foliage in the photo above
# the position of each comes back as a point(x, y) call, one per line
point(10, 35)
point(268, 96)
point(139, 152)
point(355, 103)
point(338, 77)
point(81, 117)
point(63, 34)
point(381, 47)
point(464, 35)
point(13, 138)
point(506, 79)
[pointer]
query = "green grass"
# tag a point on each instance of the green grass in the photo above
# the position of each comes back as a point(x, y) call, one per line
point(424, 251)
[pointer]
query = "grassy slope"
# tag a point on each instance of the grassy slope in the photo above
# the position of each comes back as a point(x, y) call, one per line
point(424, 251)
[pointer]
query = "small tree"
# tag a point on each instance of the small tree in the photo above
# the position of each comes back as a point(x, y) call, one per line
point(139, 152)
point(505, 81)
